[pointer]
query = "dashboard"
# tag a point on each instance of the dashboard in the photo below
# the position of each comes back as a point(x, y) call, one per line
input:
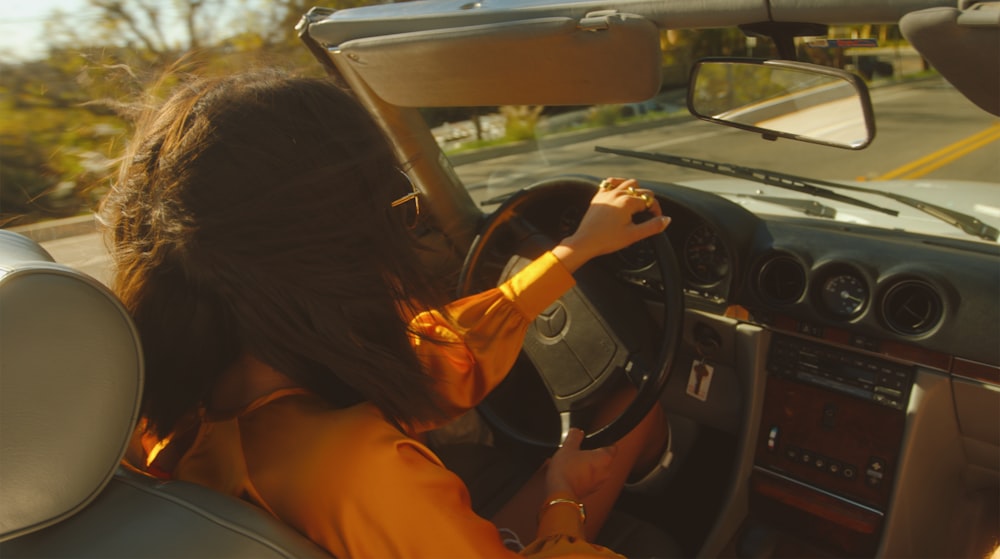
point(857, 320)
point(874, 289)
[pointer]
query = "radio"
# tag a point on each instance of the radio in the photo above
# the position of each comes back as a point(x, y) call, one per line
point(869, 378)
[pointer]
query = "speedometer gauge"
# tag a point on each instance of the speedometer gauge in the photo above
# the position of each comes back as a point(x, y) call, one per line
point(844, 295)
point(705, 256)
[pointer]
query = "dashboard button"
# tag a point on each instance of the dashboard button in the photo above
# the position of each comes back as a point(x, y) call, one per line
point(792, 453)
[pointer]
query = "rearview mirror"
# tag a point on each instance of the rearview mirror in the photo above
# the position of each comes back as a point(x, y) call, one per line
point(784, 99)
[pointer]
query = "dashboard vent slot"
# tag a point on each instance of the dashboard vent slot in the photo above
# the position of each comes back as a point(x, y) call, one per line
point(782, 279)
point(912, 307)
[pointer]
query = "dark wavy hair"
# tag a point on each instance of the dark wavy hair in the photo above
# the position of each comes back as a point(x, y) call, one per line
point(252, 214)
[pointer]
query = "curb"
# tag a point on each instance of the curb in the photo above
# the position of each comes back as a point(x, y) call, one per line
point(59, 228)
point(561, 139)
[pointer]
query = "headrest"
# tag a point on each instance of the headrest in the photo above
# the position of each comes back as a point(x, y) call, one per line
point(71, 375)
point(15, 248)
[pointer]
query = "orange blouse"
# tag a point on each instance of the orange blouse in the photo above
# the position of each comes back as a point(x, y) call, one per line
point(353, 483)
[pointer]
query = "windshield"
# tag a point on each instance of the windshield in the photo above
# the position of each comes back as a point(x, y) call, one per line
point(932, 145)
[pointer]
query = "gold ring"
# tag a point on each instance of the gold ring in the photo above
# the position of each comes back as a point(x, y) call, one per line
point(647, 199)
point(606, 185)
point(631, 190)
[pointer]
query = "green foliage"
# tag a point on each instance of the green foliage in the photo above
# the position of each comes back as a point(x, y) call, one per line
point(521, 121)
point(65, 119)
point(53, 152)
point(604, 115)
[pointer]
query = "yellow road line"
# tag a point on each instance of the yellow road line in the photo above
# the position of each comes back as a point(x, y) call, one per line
point(943, 156)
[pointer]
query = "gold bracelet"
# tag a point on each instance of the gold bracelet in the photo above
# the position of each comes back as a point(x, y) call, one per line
point(560, 500)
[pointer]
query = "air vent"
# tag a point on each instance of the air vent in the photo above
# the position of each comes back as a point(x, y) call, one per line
point(782, 279)
point(912, 307)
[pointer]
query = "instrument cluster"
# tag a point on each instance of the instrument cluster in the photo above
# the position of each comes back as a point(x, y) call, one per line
point(703, 253)
point(705, 260)
point(705, 256)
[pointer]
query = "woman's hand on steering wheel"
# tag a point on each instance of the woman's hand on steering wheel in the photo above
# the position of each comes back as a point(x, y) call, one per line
point(609, 224)
point(578, 472)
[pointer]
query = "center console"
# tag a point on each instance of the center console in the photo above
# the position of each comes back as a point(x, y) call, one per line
point(828, 444)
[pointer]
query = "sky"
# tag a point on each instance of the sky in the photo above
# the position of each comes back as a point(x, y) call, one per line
point(22, 24)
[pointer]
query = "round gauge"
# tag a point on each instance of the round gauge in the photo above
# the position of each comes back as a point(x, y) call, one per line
point(638, 256)
point(705, 256)
point(844, 294)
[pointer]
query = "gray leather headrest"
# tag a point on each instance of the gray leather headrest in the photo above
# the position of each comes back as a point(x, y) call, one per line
point(70, 384)
point(15, 248)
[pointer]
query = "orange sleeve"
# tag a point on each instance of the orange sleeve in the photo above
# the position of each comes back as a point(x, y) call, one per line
point(409, 505)
point(396, 499)
point(358, 487)
point(471, 344)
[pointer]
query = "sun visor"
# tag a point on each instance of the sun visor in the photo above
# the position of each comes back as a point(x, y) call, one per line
point(963, 45)
point(603, 58)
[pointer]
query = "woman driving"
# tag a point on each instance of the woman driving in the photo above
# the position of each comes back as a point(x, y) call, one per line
point(297, 350)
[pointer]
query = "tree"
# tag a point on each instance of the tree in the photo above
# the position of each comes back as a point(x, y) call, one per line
point(65, 117)
point(51, 151)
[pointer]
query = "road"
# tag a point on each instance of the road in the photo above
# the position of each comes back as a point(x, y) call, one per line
point(924, 129)
point(913, 121)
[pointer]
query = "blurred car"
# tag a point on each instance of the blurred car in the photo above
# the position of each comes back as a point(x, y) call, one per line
point(821, 319)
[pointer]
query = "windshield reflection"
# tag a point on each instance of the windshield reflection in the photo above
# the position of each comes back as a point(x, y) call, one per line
point(933, 145)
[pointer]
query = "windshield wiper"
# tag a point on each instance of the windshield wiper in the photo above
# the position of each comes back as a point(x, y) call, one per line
point(965, 222)
point(770, 178)
point(808, 207)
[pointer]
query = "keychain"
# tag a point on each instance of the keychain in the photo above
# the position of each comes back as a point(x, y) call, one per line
point(700, 378)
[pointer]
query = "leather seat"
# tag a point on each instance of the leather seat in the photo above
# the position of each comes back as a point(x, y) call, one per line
point(71, 376)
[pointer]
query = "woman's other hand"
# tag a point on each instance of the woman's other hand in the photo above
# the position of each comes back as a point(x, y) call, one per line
point(578, 472)
point(608, 224)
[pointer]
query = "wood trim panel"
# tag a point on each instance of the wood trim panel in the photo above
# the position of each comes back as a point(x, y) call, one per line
point(831, 440)
point(976, 371)
point(808, 523)
point(882, 348)
point(816, 503)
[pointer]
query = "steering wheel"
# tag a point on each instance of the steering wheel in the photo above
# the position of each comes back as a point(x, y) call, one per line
point(597, 336)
